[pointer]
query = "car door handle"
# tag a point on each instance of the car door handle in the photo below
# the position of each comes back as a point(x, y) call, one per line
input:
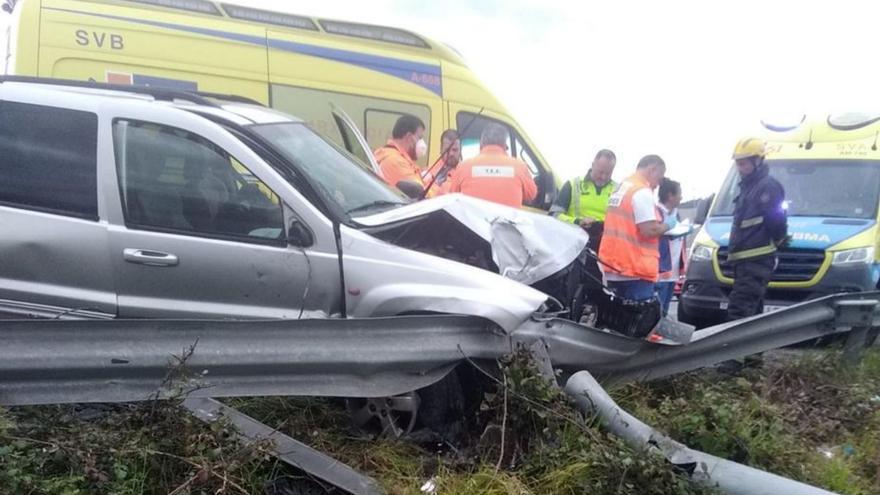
point(148, 257)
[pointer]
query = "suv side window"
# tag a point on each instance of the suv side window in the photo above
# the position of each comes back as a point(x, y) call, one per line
point(48, 159)
point(173, 180)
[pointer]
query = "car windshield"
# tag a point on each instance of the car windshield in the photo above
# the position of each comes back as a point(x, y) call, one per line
point(341, 182)
point(820, 188)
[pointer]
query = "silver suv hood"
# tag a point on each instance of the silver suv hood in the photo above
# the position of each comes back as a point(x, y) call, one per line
point(382, 279)
point(525, 246)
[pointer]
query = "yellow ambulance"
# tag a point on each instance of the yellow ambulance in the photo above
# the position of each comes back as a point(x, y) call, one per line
point(334, 74)
point(829, 166)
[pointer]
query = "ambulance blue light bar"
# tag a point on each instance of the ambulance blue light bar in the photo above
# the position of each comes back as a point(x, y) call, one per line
point(267, 17)
point(378, 33)
point(852, 120)
point(200, 6)
point(783, 124)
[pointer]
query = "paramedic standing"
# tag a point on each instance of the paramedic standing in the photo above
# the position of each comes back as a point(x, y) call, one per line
point(583, 200)
point(633, 226)
point(397, 159)
point(493, 175)
point(672, 249)
point(759, 228)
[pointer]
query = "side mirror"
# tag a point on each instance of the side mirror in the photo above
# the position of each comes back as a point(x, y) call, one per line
point(703, 210)
point(299, 235)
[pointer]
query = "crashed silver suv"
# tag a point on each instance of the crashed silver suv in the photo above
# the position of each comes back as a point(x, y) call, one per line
point(144, 203)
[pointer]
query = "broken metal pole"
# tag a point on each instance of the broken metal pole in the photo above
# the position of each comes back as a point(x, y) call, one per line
point(730, 477)
point(287, 449)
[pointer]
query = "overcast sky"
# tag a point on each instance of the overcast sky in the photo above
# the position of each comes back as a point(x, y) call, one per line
point(683, 79)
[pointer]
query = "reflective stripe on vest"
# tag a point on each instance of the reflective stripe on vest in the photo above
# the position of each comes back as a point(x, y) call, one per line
point(751, 222)
point(641, 242)
point(624, 249)
point(752, 253)
point(591, 205)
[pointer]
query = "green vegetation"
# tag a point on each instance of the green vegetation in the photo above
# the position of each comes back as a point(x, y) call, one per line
point(799, 414)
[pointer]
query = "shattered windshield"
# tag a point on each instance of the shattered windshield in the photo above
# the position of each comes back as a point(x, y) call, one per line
point(339, 179)
point(820, 188)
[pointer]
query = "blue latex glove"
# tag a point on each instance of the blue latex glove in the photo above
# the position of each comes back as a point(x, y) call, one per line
point(671, 221)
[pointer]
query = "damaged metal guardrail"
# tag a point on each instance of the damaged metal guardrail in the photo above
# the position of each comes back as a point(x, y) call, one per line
point(613, 358)
point(732, 478)
point(53, 361)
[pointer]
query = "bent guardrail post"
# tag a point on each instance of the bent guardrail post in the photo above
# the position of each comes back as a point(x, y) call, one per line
point(854, 348)
point(860, 337)
point(730, 477)
point(287, 449)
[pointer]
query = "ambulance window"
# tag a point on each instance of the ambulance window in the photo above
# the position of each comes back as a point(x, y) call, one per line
point(380, 123)
point(48, 159)
point(471, 126)
point(521, 151)
point(374, 116)
point(351, 144)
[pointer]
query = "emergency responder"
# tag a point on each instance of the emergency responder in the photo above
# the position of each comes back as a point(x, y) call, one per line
point(397, 159)
point(450, 156)
point(493, 175)
point(759, 228)
point(583, 200)
point(633, 226)
point(672, 248)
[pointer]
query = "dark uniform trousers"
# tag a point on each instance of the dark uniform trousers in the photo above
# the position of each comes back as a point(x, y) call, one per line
point(750, 279)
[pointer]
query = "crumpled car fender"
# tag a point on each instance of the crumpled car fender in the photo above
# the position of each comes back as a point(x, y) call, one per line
point(385, 280)
point(397, 299)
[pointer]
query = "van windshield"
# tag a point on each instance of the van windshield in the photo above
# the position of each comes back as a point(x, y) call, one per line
point(819, 188)
point(340, 181)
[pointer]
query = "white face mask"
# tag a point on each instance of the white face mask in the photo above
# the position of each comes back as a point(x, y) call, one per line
point(421, 149)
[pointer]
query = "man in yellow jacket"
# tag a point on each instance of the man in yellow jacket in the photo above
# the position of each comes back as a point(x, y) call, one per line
point(583, 200)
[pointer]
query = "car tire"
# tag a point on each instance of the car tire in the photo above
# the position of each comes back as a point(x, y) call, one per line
point(442, 408)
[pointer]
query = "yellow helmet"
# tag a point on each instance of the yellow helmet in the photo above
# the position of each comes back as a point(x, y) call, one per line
point(749, 147)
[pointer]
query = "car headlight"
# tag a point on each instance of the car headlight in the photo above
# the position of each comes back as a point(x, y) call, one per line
point(702, 253)
point(854, 256)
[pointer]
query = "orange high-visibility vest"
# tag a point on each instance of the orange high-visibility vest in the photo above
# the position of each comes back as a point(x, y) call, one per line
point(495, 176)
point(396, 165)
point(624, 249)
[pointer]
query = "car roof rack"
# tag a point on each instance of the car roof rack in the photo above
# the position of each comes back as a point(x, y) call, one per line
point(164, 94)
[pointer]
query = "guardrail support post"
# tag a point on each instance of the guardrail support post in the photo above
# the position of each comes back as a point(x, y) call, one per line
point(855, 345)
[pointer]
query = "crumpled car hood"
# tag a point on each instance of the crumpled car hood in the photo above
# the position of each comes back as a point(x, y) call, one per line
point(525, 246)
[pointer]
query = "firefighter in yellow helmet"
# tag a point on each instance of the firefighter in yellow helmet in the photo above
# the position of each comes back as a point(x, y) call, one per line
point(758, 230)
